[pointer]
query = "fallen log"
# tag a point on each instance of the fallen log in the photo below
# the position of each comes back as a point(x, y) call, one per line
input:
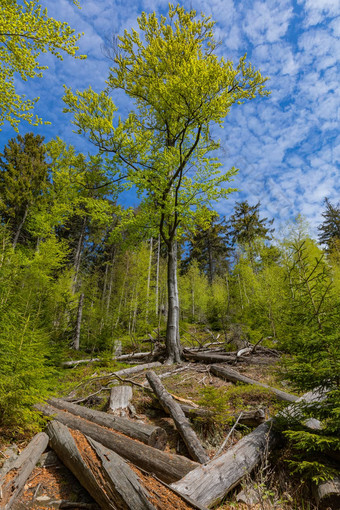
point(182, 423)
point(251, 418)
point(209, 484)
point(148, 434)
point(207, 357)
point(104, 474)
point(327, 494)
point(165, 466)
point(122, 357)
point(232, 375)
point(120, 397)
point(16, 473)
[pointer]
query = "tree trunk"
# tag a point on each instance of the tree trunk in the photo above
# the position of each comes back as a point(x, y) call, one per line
point(148, 283)
point(120, 398)
point(173, 346)
point(77, 258)
point(210, 483)
point(327, 494)
point(232, 375)
point(104, 474)
point(76, 340)
point(148, 434)
point(169, 468)
point(19, 229)
point(157, 274)
point(182, 423)
point(14, 477)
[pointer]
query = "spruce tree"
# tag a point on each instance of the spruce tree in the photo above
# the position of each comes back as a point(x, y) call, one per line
point(330, 227)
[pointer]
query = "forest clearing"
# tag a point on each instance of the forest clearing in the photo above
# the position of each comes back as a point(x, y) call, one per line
point(157, 349)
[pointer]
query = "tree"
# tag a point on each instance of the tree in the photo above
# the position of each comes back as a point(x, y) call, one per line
point(246, 224)
point(25, 32)
point(23, 180)
point(180, 89)
point(210, 248)
point(330, 227)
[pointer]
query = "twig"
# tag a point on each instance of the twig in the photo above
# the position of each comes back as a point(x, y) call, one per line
point(228, 436)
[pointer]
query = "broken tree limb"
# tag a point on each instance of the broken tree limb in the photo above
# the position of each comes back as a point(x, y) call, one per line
point(208, 484)
point(327, 494)
point(165, 466)
point(232, 375)
point(182, 423)
point(104, 474)
point(14, 477)
point(148, 434)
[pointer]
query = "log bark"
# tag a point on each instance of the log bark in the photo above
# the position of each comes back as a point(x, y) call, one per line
point(182, 423)
point(327, 495)
point(104, 474)
point(206, 357)
point(251, 418)
point(120, 397)
point(232, 375)
point(14, 477)
point(123, 357)
point(165, 466)
point(134, 370)
point(208, 484)
point(148, 434)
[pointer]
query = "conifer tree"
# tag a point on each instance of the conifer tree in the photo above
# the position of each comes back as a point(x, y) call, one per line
point(330, 227)
point(23, 180)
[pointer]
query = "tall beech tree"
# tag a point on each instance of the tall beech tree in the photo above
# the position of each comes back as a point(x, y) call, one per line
point(181, 90)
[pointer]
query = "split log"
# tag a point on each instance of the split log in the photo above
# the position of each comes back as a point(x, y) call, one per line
point(120, 400)
point(165, 466)
point(232, 375)
point(15, 475)
point(208, 484)
point(148, 434)
point(104, 474)
point(182, 423)
point(327, 494)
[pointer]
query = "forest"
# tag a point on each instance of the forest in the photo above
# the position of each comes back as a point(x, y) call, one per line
point(90, 286)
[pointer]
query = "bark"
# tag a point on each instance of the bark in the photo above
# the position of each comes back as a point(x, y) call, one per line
point(157, 274)
point(232, 375)
point(182, 423)
point(173, 346)
point(79, 251)
point(207, 357)
point(148, 434)
point(165, 466)
point(135, 356)
point(120, 398)
point(76, 340)
point(327, 494)
point(251, 418)
point(149, 279)
point(104, 474)
point(210, 483)
point(14, 477)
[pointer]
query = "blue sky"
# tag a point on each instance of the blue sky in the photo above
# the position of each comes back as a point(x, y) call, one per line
point(287, 146)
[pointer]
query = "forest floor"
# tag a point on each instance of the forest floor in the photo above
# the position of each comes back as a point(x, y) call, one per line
point(51, 485)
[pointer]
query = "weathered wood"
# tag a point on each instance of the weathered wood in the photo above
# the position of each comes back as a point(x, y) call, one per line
point(104, 474)
point(137, 356)
point(232, 375)
point(120, 398)
point(209, 484)
point(230, 357)
point(182, 423)
point(165, 466)
point(16, 473)
point(76, 362)
point(135, 370)
point(148, 434)
point(327, 495)
point(250, 418)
